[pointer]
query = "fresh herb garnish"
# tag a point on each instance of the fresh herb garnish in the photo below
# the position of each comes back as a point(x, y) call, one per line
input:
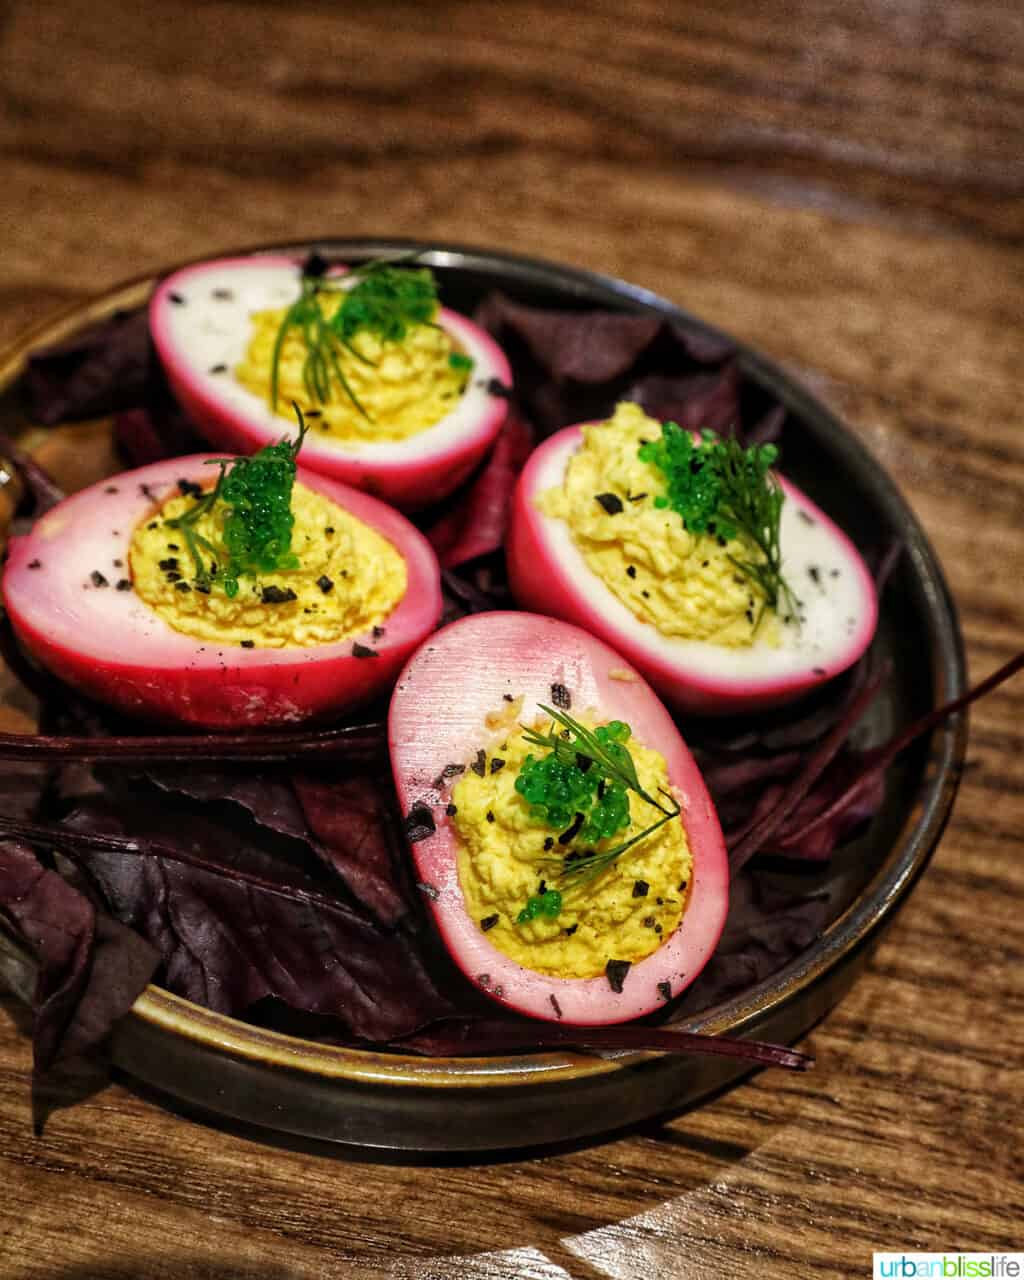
point(377, 297)
point(257, 527)
point(722, 489)
point(611, 765)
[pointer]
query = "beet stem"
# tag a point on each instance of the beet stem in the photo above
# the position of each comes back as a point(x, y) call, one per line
point(881, 757)
point(355, 742)
point(819, 761)
point(36, 480)
point(72, 843)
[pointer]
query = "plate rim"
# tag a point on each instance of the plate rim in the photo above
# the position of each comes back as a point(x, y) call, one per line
point(855, 928)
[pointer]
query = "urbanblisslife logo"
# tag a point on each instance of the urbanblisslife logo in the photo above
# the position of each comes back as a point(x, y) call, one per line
point(948, 1266)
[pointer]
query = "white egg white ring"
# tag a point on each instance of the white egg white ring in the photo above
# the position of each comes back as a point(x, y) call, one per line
point(201, 328)
point(839, 608)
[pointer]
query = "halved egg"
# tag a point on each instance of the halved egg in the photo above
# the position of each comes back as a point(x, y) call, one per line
point(409, 422)
point(102, 592)
point(567, 925)
point(589, 542)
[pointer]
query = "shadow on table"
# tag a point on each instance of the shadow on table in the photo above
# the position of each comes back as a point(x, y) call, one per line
point(656, 1130)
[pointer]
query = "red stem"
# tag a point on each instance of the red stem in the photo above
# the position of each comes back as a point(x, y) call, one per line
point(354, 742)
point(36, 480)
point(882, 757)
point(820, 759)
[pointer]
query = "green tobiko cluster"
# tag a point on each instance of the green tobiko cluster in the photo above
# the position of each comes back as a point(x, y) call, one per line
point(574, 795)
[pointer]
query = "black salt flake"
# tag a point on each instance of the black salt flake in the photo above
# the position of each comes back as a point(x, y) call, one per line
point(570, 833)
point(611, 502)
point(419, 824)
point(561, 697)
point(616, 971)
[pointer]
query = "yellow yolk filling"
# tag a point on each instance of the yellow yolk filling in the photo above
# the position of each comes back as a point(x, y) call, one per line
point(350, 579)
point(502, 861)
point(404, 387)
point(684, 584)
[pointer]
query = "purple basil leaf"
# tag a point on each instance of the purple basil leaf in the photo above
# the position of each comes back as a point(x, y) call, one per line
point(150, 435)
point(354, 826)
point(230, 938)
point(767, 927)
point(701, 400)
point(462, 596)
point(475, 524)
point(586, 346)
point(90, 968)
point(265, 795)
point(100, 370)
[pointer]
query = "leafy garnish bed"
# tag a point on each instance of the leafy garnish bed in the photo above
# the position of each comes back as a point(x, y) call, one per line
point(265, 874)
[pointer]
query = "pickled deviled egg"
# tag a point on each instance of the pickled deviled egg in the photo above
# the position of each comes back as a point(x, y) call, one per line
point(562, 834)
point(223, 592)
point(722, 582)
point(403, 396)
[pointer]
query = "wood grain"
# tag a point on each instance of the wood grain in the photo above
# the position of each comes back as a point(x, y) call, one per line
point(839, 184)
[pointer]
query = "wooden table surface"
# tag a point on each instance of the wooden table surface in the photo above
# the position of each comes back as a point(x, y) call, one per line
point(839, 183)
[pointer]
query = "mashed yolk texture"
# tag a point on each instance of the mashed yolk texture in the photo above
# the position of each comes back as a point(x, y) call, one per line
point(404, 387)
point(684, 584)
point(624, 913)
point(349, 580)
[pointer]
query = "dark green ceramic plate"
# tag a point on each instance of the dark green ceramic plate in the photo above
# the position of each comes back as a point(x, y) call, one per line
point(234, 1070)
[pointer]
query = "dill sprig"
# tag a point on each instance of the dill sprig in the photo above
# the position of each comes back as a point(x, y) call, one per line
point(258, 521)
point(378, 297)
point(615, 764)
point(720, 488)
